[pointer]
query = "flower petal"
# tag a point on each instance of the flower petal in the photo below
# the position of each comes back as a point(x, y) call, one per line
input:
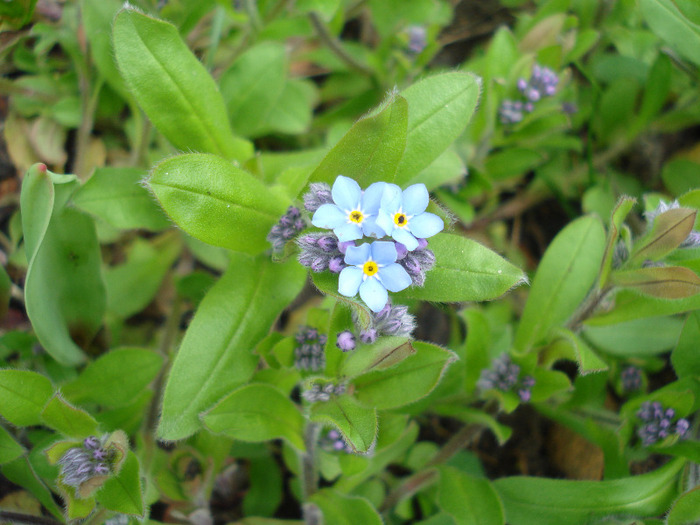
point(328, 216)
point(374, 294)
point(349, 281)
point(405, 238)
point(383, 252)
point(426, 225)
point(384, 221)
point(391, 199)
point(372, 197)
point(415, 199)
point(357, 255)
point(346, 193)
point(349, 231)
point(372, 229)
point(395, 278)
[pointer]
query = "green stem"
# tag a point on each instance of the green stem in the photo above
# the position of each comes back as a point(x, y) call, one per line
point(18, 517)
point(309, 470)
point(88, 106)
point(336, 47)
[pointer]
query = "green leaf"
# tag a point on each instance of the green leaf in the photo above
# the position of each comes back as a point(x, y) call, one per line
point(116, 196)
point(681, 175)
point(21, 473)
point(5, 292)
point(631, 305)
point(340, 509)
point(640, 338)
point(257, 412)
point(133, 285)
point(670, 282)
point(685, 356)
point(216, 356)
point(656, 92)
point(622, 208)
point(568, 345)
point(23, 396)
point(448, 167)
point(465, 271)
point(385, 353)
point(173, 87)
point(477, 347)
point(686, 509)
point(252, 86)
point(293, 111)
point(469, 500)
point(564, 277)
point(406, 382)
point(371, 150)
point(512, 162)
point(669, 23)
point(116, 378)
point(357, 423)
point(9, 448)
point(67, 419)
point(440, 107)
point(266, 484)
point(216, 202)
point(555, 501)
point(669, 230)
point(123, 493)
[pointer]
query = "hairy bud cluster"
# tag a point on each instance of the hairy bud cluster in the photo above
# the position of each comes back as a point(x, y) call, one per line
point(543, 83)
point(79, 464)
point(512, 111)
point(333, 441)
point(319, 193)
point(631, 379)
point(657, 423)
point(289, 225)
point(319, 392)
point(390, 320)
point(309, 352)
point(417, 262)
point(322, 251)
point(504, 375)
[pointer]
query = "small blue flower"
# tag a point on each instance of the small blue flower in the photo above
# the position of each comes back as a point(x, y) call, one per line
point(402, 215)
point(353, 213)
point(373, 270)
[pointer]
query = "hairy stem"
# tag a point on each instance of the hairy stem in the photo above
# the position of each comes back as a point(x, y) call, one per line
point(309, 472)
point(18, 517)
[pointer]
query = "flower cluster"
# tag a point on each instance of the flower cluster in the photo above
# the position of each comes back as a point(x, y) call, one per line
point(79, 464)
point(390, 320)
point(631, 379)
point(417, 39)
point(657, 423)
point(693, 239)
point(286, 229)
point(309, 352)
point(382, 210)
point(333, 441)
point(319, 392)
point(504, 375)
point(543, 83)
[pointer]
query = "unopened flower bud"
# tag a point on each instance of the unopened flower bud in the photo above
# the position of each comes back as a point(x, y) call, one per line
point(346, 341)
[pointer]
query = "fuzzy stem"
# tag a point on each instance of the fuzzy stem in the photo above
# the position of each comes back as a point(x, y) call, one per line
point(18, 517)
point(309, 472)
point(336, 47)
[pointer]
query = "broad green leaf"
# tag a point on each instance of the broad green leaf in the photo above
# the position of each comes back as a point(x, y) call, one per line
point(685, 356)
point(173, 87)
point(669, 23)
point(406, 382)
point(465, 271)
point(371, 150)
point(669, 230)
point(216, 356)
point(252, 86)
point(23, 395)
point(116, 196)
point(568, 345)
point(215, 202)
point(557, 501)
point(123, 493)
point(669, 282)
point(9, 448)
point(448, 167)
point(67, 419)
point(357, 423)
point(548, 383)
point(116, 378)
point(469, 500)
point(686, 509)
point(340, 509)
point(134, 284)
point(631, 305)
point(564, 277)
point(622, 208)
point(385, 353)
point(439, 109)
point(266, 484)
point(642, 337)
point(293, 111)
point(257, 412)
point(21, 473)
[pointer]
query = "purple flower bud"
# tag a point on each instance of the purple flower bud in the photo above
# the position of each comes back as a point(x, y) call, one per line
point(319, 264)
point(368, 336)
point(336, 265)
point(346, 341)
point(343, 246)
point(319, 193)
point(328, 243)
point(522, 84)
point(99, 454)
point(102, 469)
point(401, 250)
point(550, 90)
point(422, 244)
point(533, 95)
point(524, 395)
point(91, 443)
point(682, 426)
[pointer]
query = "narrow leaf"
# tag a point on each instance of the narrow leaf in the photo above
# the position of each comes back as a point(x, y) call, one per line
point(21, 473)
point(216, 355)
point(357, 423)
point(569, 345)
point(685, 356)
point(669, 23)
point(669, 230)
point(23, 395)
point(123, 493)
point(9, 448)
point(257, 412)
point(67, 419)
point(622, 208)
point(670, 282)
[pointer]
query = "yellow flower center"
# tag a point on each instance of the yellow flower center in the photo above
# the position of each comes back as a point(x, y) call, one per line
point(356, 216)
point(370, 268)
point(400, 219)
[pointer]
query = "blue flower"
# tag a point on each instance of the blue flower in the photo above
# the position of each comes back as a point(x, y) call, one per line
point(402, 215)
point(372, 270)
point(353, 213)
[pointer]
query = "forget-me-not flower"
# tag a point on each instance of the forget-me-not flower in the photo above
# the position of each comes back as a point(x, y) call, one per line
point(353, 212)
point(402, 215)
point(372, 270)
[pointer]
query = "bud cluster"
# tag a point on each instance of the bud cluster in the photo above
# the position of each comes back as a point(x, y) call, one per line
point(631, 379)
point(319, 193)
point(417, 262)
point(657, 423)
point(309, 352)
point(417, 39)
point(504, 375)
point(543, 83)
point(323, 251)
point(392, 320)
point(333, 441)
point(289, 225)
point(79, 464)
point(319, 392)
